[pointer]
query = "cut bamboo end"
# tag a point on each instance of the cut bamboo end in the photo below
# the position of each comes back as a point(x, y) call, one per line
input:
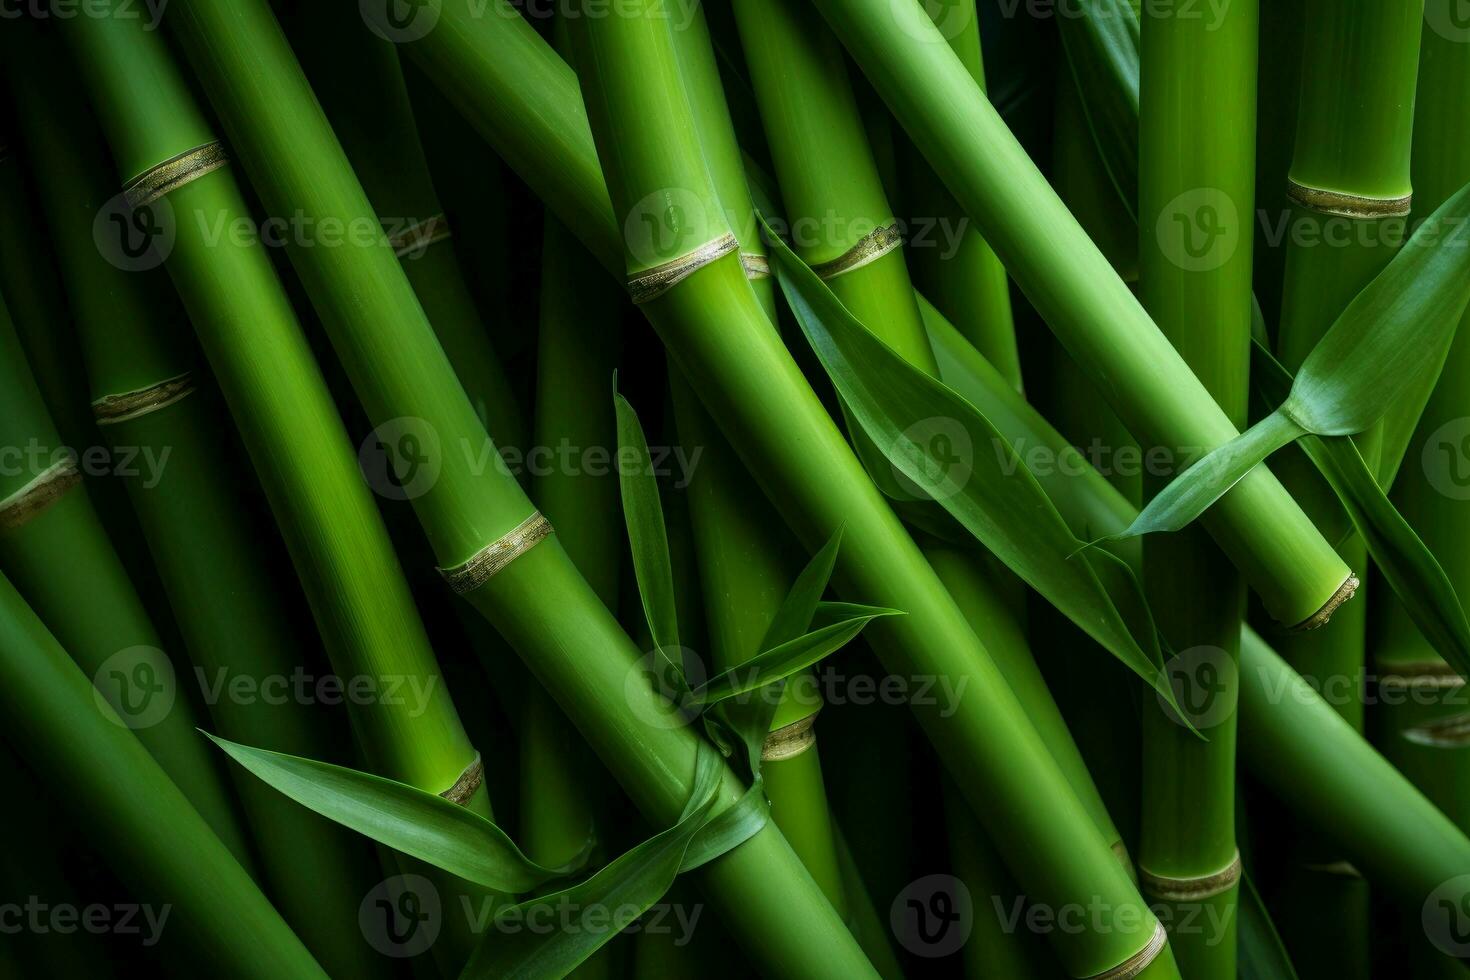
point(420, 235)
point(1322, 616)
point(468, 782)
point(174, 173)
point(1171, 889)
point(869, 249)
point(756, 266)
point(111, 409)
point(650, 285)
point(492, 559)
point(1347, 205)
point(790, 741)
point(1135, 965)
point(36, 497)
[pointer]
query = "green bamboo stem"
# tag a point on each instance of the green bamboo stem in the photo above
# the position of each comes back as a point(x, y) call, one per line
point(229, 614)
point(1197, 92)
point(151, 833)
point(359, 81)
point(60, 557)
point(720, 338)
point(1071, 284)
point(970, 286)
point(540, 604)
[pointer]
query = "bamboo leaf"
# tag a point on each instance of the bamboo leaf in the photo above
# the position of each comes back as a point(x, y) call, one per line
point(604, 904)
point(1400, 555)
point(791, 657)
point(406, 819)
point(1262, 954)
point(1102, 49)
point(988, 489)
point(795, 615)
point(647, 536)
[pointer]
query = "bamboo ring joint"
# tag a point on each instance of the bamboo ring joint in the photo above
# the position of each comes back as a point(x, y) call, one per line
point(111, 409)
point(31, 500)
point(420, 235)
point(790, 741)
point(1172, 889)
point(1319, 619)
point(650, 285)
point(1347, 205)
point(464, 787)
point(492, 559)
point(1422, 675)
point(870, 248)
point(1139, 961)
point(174, 173)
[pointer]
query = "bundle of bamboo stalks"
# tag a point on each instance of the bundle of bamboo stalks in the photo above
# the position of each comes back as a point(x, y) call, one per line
point(536, 423)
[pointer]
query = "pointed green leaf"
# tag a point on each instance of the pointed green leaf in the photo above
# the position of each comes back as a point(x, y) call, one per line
point(406, 819)
point(647, 536)
point(795, 615)
point(922, 427)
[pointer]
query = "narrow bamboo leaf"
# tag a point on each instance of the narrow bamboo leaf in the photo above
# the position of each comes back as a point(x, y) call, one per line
point(647, 536)
point(1192, 492)
point(732, 826)
point(921, 426)
point(1262, 954)
point(406, 819)
point(604, 904)
point(790, 657)
point(1400, 555)
point(1392, 333)
point(795, 615)
point(1102, 48)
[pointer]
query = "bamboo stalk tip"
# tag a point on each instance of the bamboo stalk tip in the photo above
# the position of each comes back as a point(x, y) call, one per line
point(1322, 616)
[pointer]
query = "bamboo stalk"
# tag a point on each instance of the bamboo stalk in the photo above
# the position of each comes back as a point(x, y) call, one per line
point(539, 602)
point(152, 834)
point(1197, 163)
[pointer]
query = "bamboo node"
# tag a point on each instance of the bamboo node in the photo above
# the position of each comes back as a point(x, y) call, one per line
point(870, 248)
point(1172, 889)
point(174, 173)
point(1135, 965)
point(1347, 205)
point(111, 409)
point(1421, 675)
point(31, 500)
point(1319, 619)
point(790, 741)
point(650, 285)
point(464, 787)
point(492, 559)
point(420, 235)
point(756, 266)
point(1446, 733)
